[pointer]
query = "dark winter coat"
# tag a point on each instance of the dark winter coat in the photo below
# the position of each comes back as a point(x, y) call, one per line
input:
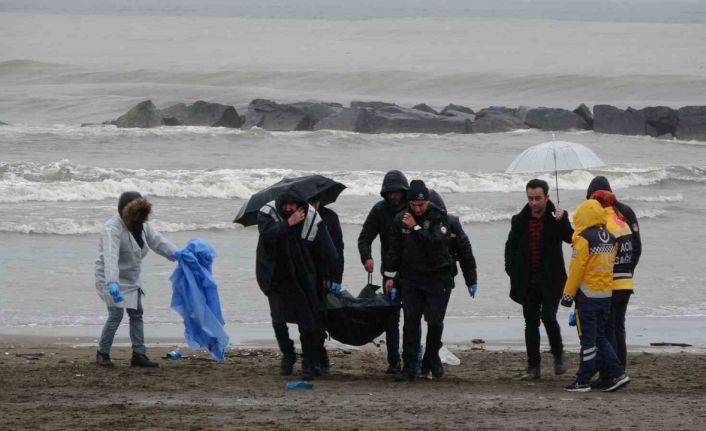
point(379, 220)
point(517, 254)
point(289, 258)
point(330, 219)
point(423, 251)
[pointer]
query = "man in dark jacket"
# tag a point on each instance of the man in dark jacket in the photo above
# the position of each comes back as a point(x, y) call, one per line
point(333, 225)
point(378, 222)
point(293, 251)
point(534, 260)
point(420, 260)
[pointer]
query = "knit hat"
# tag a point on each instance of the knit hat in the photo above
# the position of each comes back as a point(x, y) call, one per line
point(598, 183)
point(418, 191)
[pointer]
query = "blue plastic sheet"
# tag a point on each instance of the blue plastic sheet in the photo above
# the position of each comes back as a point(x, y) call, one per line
point(195, 298)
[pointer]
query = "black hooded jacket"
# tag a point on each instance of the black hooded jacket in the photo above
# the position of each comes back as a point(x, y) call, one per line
point(601, 183)
point(517, 254)
point(422, 252)
point(286, 262)
point(380, 218)
point(461, 250)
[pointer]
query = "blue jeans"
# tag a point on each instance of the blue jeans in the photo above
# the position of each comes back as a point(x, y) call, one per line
point(137, 333)
point(591, 322)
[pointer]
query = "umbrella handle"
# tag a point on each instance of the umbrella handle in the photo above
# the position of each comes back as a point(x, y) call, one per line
point(556, 173)
point(370, 278)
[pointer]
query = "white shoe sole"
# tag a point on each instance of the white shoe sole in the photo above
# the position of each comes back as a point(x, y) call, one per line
point(588, 389)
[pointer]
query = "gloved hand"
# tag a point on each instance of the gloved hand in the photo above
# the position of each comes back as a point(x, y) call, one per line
point(567, 300)
point(393, 294)
point(572, 319)
point(335, 288)
point(177, 255)
point(114, 290)
point(472, 289)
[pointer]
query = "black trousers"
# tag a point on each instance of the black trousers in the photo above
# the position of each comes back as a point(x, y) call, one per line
point(615, 330)
point(535, 310)
point(427, 298)
point(302, 309)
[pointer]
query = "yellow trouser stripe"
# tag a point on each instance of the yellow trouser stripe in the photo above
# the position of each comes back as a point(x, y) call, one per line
point(578, 321)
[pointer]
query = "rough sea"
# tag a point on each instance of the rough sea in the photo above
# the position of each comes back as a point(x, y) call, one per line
point(60, 67)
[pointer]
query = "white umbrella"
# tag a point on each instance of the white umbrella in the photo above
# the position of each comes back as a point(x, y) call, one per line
point(554, 156)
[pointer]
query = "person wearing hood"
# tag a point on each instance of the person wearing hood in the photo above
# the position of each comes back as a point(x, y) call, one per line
point(420, 262)
point(617, 225)
point(589, 286)
point(125, 240)
point(378, 223)
point(534, 261)
point(294, 250)
point(333, 225)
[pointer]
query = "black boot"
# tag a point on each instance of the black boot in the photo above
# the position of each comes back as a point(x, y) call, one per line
point(142, 361)
point(434, 344)
point(324, 363)
point(103, 360)
point(309, 354)
point(286, 346)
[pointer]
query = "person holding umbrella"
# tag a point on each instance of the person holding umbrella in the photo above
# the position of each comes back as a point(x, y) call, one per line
point(534, 261)
point(294, 250)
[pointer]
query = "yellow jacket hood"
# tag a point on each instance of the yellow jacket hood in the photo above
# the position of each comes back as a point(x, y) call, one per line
point(588, 214)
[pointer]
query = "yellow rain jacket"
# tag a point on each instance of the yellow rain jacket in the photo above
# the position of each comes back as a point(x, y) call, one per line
point(591, 266)
point(622, 268)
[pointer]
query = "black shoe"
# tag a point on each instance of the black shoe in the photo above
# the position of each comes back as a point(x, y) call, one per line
point(103, 360)
point(141, 360)
point(532, 373)
point(617, 383)
point(405, 376)
point(393, 369)
point(324, 364)
point(576, 386)
point(308, 374)
point(559, 365)
point(286, 367)
point(601, 383)
point(437, 368)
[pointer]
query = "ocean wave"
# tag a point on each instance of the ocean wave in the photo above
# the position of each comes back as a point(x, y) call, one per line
point(65, 226)
point(660, 198)
point(65, 181)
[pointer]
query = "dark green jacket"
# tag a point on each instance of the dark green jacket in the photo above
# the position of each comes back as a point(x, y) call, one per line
point(517, 254)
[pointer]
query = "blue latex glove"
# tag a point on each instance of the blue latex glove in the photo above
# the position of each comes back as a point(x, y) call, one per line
point(572, 319)
point(393, 294)
point(177, 255)
point(335, 288)
point(567, 300)
point(114, 290)
point(472, 289)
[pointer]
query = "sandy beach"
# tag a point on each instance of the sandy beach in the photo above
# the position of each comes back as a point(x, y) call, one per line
point(52, 386)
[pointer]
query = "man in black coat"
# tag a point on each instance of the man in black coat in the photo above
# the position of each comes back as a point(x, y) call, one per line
point(420, 259)
point(333, 225)
point(534, 261)
point(294, 251)
point(379, 220)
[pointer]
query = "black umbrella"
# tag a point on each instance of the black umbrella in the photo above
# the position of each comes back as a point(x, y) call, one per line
point(324, 189)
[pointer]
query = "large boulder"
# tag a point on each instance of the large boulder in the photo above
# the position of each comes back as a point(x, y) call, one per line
point(142, 115)
point(347, 119)
point(609, 119)
point(584, 112)
point(692, 123)
point(202, 113)
point(273, 116)
point(496, 120)
point(452, 109)
point(425, 108)
point(554, 119)
point(395, 119)
point(373, 105)
point(3, 124)
point(661, 120)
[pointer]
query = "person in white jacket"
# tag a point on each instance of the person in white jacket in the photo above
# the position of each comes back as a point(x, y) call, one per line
point(125, 240)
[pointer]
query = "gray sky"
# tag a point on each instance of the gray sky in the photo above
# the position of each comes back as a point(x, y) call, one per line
point(684, 11)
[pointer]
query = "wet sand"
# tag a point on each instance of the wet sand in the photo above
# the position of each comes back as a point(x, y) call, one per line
point(50, 386)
